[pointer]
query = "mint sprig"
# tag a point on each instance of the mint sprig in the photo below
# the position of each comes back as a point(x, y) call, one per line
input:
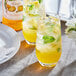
point(48, 39)
point(72, 29)
point(40, 1)
point(30, 6)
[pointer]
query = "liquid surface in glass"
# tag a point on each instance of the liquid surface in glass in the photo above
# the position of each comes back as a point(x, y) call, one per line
point(48, 45)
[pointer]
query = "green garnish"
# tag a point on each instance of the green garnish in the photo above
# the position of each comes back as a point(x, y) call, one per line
point(58, 50)
point(5, 3)
point(48, 39)
point(40, 1)
point(33, 28)
point(30, 6)
point(23, 18)
point(71, 29)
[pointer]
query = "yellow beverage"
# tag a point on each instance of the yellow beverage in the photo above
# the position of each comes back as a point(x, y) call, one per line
point(48, 45)
point(30, 30)
point(48, 57)
point(29, 35)
point(49, 53)
point(31, 15)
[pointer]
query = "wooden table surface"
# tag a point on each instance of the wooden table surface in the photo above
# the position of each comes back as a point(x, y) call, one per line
point(25, 63)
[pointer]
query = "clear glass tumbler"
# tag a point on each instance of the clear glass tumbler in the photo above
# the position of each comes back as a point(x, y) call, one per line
point(48, 44)
point(31, 15)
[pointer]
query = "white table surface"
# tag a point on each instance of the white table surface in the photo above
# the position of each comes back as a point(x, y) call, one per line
point(25, 63)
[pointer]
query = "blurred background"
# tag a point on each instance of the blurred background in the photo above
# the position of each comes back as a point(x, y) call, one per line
point(65, 8)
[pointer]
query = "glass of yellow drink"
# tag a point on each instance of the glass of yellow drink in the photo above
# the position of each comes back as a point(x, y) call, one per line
point(48, 44)
point(30, 31)
point(31, 15)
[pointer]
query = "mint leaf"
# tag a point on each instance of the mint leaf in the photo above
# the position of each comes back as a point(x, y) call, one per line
point(40, 1)
point(48, 39)
point(23, 18)
point(58, 50)
point(33, 28)
point(30, 6)
point(72, 29)
point(5, 3)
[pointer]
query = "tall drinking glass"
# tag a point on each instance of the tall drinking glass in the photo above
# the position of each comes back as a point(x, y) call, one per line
point(31, 15)
point(48, 44)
